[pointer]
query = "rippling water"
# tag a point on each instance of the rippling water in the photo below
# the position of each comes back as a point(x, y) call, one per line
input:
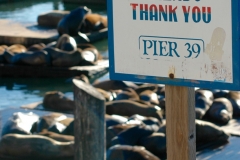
point(15, 92)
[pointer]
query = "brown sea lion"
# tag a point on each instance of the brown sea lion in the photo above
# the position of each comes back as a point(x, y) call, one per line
point(156, 143)
point(58, 101)
point(128, 94)
point(35, 147)
point(207, 132)
point(17, 48)
point(62, 58)
point(234, 97)
point(199, 113)
point(147, 86)
point(129, 108)
point(20, 123)
point(66, 43)
point(220, 112)
point(108, 85)
point(132, 135)
point(149, 96)
point(113, 131)
point(69, 129)
point(112, 120)
point(126, 152)
point(36, 47)
point(219, 93)
point(35, 58)
point(70, 23)
point(205, 93)
point(13, 50)
point(109, 96)
point(89, 56)
point(93, 22)
point(146, 120)
point(51, 122)
point(57, 137)
point(202, 102)
point(2, 50)
point(66, 121)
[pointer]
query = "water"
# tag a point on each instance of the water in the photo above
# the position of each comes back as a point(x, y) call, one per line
point(15, 92)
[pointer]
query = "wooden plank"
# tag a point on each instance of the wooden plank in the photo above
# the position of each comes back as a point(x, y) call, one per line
point(180, 122)
point(9, 70)
point(26, 34)
point(89, 122)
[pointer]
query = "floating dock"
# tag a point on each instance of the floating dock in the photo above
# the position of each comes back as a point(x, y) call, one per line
point(25, 34)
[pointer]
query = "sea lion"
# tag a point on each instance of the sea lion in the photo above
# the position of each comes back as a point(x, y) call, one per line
point(109, 96)
point(56, 136)
point(51, 122)
point(219, 93)
point(35, 147)
point(149, 96)
point(89, 55)
point(1, 54)
point(202, 102)
point(156, 143)
point(108, 85)
point(36, 47)
point(93, 23)
point(17, 48)
point(2, 50)
point(146, 120)
point(71, 22)
point(205, 93)
point(147, 86)
point(11, 51)
point(35, 58)
point(129, 108)
point(112, 120)
point(126, 152)
point(66, 43)
point(234, 97)
point(113, 131)
point(132, 135)
point(220, 112)
point(20, 123)
point(207, 132)
point(58, 101)
point(51, 44)
point(62, 58)
point(69, 129)
point(128, 94)
point(199, 113)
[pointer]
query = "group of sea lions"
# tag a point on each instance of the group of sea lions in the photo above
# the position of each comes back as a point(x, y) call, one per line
point(62, 53)
point(135, 120)
point(29, 136)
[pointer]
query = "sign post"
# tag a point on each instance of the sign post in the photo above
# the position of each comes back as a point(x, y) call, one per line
point(180, 43)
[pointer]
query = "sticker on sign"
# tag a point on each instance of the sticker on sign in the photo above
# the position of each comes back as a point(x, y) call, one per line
point(191, 43)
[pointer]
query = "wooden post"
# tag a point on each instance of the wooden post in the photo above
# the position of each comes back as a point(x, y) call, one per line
point(180, 121)
point(89, 122)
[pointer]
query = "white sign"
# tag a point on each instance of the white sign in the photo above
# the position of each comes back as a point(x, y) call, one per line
point(187, 42)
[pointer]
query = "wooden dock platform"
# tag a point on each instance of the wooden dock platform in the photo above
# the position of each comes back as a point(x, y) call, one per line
point(26, 34)
point(92, 72)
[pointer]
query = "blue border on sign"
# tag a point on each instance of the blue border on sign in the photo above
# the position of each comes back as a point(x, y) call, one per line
point(180, 82)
